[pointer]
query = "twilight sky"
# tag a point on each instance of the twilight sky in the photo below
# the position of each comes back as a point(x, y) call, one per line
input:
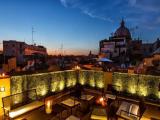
point(77, 24)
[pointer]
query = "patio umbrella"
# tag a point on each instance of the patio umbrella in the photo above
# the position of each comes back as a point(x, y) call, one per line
point(104, 60)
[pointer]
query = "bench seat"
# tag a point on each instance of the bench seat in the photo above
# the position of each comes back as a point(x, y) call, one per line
point(24, 109)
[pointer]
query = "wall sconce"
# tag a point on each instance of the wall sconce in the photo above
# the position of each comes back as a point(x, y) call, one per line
point(2, 89)
point(2, 75)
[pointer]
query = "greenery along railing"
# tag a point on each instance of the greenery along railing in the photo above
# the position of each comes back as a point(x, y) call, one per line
point(47, 83)
point(140, 85)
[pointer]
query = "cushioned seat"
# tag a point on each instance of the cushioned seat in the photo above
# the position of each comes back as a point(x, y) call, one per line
point(129, 111)
point(129, 116)
point(72, 117)
point(26, 108)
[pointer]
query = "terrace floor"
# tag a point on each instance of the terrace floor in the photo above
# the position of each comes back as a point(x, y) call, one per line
point(151, 113)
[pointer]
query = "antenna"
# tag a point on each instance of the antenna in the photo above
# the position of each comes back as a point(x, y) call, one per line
point(32, 35)
point(132, 30)
point(62, 49)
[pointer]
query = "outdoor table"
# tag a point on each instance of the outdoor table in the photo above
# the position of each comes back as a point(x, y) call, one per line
point(70, 103)
point(128, 111)
point(72, 117)
point(99, 113)
point(58, 109)
point(110, 96)
point(87, 97)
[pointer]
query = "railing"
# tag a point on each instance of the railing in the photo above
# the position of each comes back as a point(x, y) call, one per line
point(16, 100)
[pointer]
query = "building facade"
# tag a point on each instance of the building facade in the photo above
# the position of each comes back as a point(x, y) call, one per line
point(122, 49)
point(116, 46)
point(20, 50)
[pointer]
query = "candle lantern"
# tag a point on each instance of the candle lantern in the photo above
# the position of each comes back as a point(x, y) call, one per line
point(48, 107)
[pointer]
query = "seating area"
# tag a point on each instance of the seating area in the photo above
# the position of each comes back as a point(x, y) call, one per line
point(75, 104)
point(28, 102)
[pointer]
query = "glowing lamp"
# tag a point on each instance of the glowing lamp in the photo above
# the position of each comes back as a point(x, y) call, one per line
point(77, 67)
point(43, 92)
point(2, 89)
point(101, 99)
point(3, 74)
point(48, 107)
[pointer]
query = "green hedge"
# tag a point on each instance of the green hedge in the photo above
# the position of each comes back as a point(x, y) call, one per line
point(141, 85)
point(47, 83)
point(91, 78)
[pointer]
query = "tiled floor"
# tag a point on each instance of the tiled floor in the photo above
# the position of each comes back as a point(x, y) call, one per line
point(151, 112)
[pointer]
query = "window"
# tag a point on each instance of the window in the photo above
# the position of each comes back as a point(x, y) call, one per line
point(150, 49)
point(20, 46)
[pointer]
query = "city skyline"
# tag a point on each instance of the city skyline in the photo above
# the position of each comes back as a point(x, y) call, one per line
point(78, 25)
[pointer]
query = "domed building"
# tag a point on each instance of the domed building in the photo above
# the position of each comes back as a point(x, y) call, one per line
point(121, 49)
point(122, 31)
point(117, 46)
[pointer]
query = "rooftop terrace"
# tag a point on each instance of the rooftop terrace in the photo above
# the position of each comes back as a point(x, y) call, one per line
point(59, 86)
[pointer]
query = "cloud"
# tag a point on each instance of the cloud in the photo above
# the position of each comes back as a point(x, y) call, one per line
point(137, 12)
point(132, 2)
point(69, 3)
point(92, 15)
point(64, 3)
point(148, 5)
point(88, 8)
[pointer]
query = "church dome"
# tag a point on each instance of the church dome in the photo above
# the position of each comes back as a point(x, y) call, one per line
point(122, 31)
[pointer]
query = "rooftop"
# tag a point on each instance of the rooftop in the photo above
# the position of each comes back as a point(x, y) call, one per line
point(103, 94)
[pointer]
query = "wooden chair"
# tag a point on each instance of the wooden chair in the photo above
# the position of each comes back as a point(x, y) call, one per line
point(132, 111)
point(142, 107)
point(84, 112)
point(111, 110)
point(77, 91)
point(83, 109)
